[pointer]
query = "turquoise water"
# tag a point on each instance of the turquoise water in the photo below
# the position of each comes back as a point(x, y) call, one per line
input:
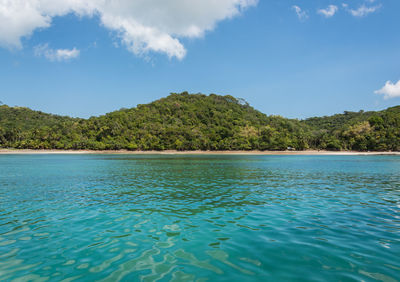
point(193, 218)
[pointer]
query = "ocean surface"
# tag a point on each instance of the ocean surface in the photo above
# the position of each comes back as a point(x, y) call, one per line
point(199, 218)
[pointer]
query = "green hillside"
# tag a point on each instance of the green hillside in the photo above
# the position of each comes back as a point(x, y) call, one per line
point(198, 122)
point(360, 131)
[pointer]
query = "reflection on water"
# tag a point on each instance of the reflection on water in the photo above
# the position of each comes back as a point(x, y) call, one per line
point(193, 218)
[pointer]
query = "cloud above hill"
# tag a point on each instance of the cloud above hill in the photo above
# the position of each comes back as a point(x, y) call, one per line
point(142, 25)
point(390, 90)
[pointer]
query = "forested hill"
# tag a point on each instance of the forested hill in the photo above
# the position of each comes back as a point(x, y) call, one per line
point(199, 122)
point(360, 131)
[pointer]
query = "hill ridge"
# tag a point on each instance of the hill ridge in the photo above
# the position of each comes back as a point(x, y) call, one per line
point(183, 121)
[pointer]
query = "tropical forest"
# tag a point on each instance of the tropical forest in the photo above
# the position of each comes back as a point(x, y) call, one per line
point(183, 121)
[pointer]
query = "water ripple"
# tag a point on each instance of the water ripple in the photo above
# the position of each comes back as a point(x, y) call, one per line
point(192, 218)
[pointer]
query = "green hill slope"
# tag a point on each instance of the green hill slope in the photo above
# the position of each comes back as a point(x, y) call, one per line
point(24, 128)
point(361, 131)
point(192, 122)
point(198, 122)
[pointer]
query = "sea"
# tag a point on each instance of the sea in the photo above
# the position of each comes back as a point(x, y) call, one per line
point(105, 217)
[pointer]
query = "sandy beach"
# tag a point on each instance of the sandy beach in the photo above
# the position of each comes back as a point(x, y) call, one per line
point(173, 152)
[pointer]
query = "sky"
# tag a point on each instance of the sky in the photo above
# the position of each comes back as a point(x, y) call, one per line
point(293, 58)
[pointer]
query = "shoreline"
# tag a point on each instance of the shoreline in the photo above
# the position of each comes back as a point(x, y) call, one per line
point(173, 152)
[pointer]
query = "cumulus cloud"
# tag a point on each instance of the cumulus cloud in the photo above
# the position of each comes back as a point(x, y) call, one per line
point(390, 90)
point(330, 11)
point(364, 10)
point(302, 15)
point(57, 55)
point(142, 25)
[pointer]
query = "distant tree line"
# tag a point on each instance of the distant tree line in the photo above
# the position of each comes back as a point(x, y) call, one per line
point(199, 122)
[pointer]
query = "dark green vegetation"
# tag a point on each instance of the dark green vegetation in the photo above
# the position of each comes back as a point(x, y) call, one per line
point(199, 122)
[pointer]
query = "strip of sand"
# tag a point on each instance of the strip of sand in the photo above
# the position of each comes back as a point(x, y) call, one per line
point(173, 152)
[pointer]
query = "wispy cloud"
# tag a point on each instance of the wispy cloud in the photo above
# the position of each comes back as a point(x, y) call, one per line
point(301, 14)
point(56, 55)
point(328, 12)
point(390, 90)
point(364, 10)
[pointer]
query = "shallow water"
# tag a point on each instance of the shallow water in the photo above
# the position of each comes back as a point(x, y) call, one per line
point(184, 218)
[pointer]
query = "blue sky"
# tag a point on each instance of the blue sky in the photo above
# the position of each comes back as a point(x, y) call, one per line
point(282, 56)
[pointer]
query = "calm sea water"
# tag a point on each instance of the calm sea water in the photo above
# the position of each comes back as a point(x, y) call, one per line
point(193, 218)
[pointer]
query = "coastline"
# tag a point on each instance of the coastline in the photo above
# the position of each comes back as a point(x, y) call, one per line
point(173, 152)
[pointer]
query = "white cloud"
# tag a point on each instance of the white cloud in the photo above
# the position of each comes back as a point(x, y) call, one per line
point(330, 11)
point(142, 25)
point(390, 90)
point(363, 10)
point(58, 55)
point(302, 15)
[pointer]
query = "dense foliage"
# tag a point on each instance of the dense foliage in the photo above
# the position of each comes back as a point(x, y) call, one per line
point(360, 131)
point(199, 122)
